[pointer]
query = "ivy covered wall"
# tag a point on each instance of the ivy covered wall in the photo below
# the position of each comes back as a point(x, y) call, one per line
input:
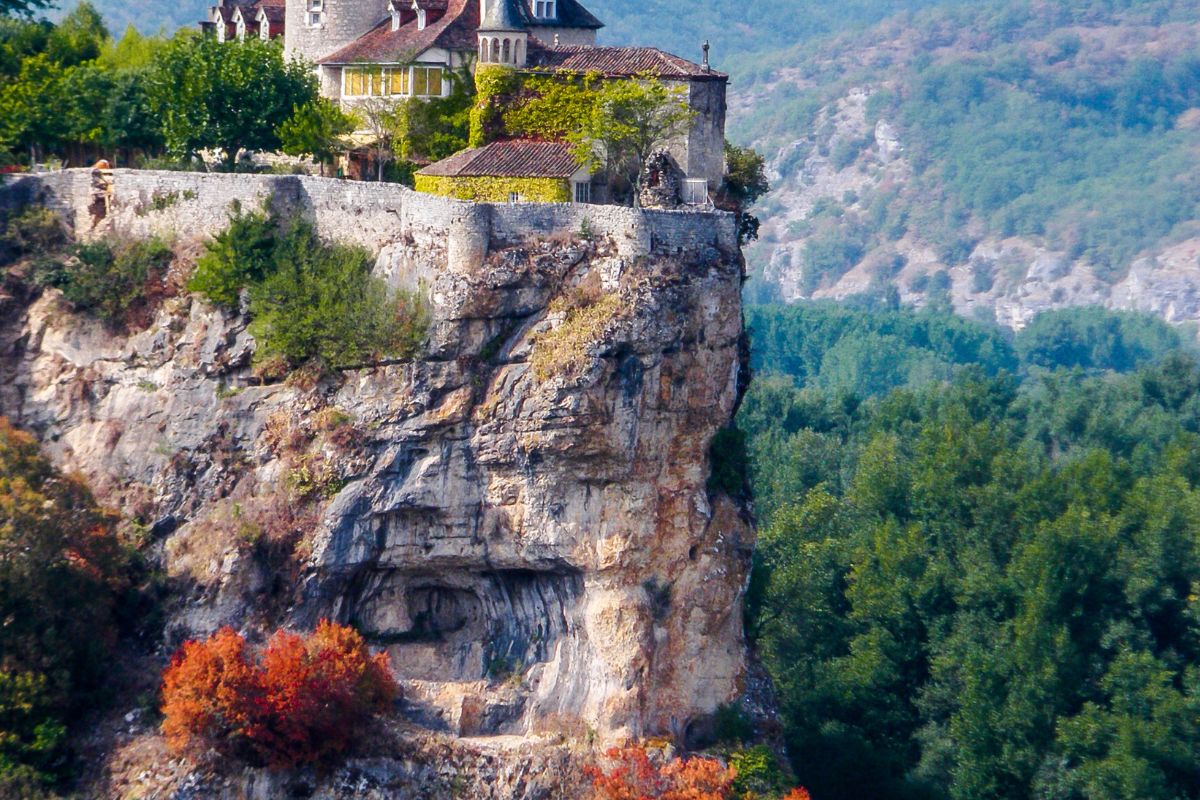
point(496, 190)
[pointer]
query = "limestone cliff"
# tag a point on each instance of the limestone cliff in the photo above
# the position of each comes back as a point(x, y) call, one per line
point(541, 555)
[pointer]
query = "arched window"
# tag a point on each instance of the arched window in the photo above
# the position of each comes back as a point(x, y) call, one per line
point(483, 51)
point(507, 54)
point(495, 49)
point(517, 51)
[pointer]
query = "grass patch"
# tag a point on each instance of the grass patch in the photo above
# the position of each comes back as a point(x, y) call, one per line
point(564, 350)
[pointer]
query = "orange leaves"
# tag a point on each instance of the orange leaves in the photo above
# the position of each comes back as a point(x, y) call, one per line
point(636, 776)
point(211, 694)
point(305, 701)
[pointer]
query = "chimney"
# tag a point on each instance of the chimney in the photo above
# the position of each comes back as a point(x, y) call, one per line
point(707, 68)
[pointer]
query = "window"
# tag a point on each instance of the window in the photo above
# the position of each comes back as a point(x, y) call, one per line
point(427, 81)
point(392, 81)
point(545, 9)
point(420, 19)
point(583, 192)
point(514, 197)
point(316, 13)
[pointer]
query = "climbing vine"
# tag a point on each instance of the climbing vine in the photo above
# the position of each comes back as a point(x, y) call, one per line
point(496, 189)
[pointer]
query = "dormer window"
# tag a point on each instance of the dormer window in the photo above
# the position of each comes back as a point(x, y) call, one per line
point(395, 18)
point(545, 9)
point(420, 19)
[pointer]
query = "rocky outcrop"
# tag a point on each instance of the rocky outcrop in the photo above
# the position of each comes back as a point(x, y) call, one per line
point(541, 555)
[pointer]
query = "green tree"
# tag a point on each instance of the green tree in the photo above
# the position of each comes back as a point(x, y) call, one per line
point(317, 129)
point(625, 122)
point(225, 96)
point(61, 569)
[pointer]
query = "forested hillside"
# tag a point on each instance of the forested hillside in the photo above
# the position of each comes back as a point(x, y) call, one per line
point(1011, 156)
point(978, 565)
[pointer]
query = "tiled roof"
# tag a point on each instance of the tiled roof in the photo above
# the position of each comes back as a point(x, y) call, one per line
point(454, 30)
point(517, 158)
point(273, 13)
point(617, 62)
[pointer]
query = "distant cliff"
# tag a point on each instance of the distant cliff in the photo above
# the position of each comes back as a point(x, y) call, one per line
point(541, 551)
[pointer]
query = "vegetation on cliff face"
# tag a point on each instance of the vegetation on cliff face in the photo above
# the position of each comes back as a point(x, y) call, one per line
point(303, 700)
point(309, 301)
point(980, 584)
point(63, 573)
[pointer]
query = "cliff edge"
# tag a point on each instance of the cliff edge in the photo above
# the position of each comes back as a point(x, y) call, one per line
point(522, 517)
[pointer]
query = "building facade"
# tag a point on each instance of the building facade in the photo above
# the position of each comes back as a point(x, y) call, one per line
point(370, 49)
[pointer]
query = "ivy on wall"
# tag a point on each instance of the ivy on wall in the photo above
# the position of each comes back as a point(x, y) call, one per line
point(553, 106)
point(495, 85)
point(496, 189)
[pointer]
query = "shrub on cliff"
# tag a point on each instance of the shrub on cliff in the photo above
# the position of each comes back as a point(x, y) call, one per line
point(239, 256)
point(61, 570)
point(322, 303)
point(309, 300)
point(304, 700)
point(119, 284)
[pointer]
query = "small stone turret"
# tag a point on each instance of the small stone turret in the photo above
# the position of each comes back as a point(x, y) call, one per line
point(503, 33)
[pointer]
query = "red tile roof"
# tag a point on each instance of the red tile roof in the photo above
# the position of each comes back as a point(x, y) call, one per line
point(617, 62)
point(517, 158)
point(454, 30)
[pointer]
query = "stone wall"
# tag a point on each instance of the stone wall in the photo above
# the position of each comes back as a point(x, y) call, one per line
point(345, 21)
point(392, 221)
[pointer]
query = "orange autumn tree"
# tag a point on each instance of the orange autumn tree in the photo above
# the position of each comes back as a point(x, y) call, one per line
point(635, 776)
point(304, 700)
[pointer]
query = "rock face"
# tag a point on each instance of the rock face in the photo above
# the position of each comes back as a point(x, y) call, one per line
point(539, 554)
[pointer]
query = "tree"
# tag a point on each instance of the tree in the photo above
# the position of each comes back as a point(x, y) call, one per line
point(304, 700)
point(636, 775)
point(61, 569)
point(225, 96)
point(317, 129)
point(626, 121)
point(386, 120)
point(745, 182)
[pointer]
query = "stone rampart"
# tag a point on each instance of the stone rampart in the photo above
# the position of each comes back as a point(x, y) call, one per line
point(384, 218)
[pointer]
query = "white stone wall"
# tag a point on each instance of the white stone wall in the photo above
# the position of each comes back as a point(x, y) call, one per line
point(345, 21)
point(388, 219)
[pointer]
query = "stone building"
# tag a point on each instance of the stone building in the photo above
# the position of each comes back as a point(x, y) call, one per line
point(366, 50)
point(229, 20)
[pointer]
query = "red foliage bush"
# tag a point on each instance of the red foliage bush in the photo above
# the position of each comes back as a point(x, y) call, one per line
point(635, 776)
point(306, 699)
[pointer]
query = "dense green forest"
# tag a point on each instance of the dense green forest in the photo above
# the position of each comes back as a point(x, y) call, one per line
point(979, 559)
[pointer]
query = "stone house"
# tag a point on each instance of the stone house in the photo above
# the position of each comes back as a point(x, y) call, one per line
point(515, 170)
point(367, 49)
point(230, 20)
